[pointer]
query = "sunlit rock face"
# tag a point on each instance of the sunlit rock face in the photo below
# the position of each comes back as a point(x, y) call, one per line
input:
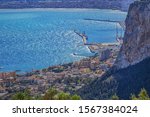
point(136, 45)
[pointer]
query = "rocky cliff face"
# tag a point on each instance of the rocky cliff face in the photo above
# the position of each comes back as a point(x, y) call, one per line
point(136, 45)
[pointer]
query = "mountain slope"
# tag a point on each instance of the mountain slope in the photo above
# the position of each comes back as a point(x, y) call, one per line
point(131, 71)
point(102, 4)
point(124, 82)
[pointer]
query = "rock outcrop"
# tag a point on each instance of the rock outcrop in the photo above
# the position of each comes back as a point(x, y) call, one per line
point(136, 45)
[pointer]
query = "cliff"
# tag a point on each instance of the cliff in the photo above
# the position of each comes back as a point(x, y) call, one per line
point(136, 46)
point(133, 62)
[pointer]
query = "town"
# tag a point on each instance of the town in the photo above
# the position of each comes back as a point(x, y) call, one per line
point(67, 77)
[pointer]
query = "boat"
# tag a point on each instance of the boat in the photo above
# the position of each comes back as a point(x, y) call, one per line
point(1, 67)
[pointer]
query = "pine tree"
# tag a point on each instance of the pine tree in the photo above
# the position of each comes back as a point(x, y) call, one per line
point(115, 97)
point(143, 95)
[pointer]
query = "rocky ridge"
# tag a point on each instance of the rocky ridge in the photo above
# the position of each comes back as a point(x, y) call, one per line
point(136, 45)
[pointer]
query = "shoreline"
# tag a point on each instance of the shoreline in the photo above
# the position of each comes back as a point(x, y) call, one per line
point(93, 48)
point(54, 9)
point(68, 77)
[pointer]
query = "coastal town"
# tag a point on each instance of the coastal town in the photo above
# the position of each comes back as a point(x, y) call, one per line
point(67, 77)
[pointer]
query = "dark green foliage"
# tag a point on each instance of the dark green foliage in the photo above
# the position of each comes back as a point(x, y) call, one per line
point(75, 97)
point(63, 96)
point(123, 83)
point(51, 94)
point(58, 70)
point(22, 95)
point(143, 95)
point(115, 97)
point(54, 94)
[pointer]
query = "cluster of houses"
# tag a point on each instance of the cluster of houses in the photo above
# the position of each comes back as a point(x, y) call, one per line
point(68, 77)
point(6, 82)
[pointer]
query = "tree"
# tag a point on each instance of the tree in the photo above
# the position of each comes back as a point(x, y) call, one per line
point(75, 97)
point(53, 94)
point(63, 96)
point(22, 95)
point(143, 95)
point(133, 97)
point(50, 94)
point(115, 97)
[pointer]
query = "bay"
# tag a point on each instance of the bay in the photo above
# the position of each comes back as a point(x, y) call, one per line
point(38, 38)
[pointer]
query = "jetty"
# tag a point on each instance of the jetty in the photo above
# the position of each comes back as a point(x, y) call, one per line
point(121, 23)
point(84, 37)
point(95, 47)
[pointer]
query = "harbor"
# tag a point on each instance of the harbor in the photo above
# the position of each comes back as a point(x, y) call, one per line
point(54, 57)
point(99, 47)
point(77, 74)
point(66, 77)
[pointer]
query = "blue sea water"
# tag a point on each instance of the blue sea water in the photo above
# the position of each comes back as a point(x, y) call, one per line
point(38, 38)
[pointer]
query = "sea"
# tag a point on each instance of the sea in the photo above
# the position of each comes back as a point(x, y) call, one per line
point(33, 39)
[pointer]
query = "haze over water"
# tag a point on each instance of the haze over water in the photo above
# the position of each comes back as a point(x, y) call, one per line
point(35, 39)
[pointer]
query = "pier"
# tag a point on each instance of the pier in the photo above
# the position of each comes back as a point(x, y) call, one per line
point(84, 37)
point(119, 38)
point(121, 23)
point(95, 47)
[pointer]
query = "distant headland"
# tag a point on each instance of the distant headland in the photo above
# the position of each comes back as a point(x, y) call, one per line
point(100, 4)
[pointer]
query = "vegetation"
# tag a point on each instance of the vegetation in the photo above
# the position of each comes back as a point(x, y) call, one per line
point(143, 95)
point(22, 95)
point(51, 94)
point(115, 97)
point(58, 70)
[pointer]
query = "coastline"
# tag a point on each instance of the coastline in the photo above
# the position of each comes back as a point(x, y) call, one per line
point(93, 48)
point(87, 47)
point(56, 9)
point(68, 77)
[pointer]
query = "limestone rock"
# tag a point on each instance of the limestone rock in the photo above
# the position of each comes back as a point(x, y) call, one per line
point(136, 45)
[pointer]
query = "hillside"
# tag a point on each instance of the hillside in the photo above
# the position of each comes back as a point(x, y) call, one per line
point(131, 71)
point(102, 4)
point(124, 82)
